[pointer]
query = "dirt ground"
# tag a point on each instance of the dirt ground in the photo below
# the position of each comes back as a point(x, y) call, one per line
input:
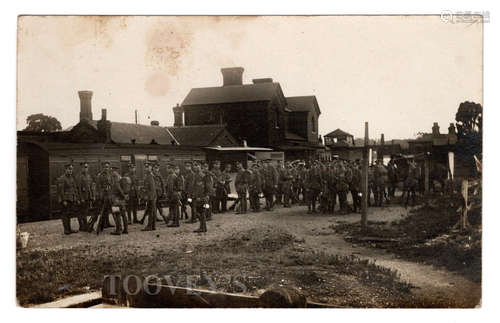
point(283, 247)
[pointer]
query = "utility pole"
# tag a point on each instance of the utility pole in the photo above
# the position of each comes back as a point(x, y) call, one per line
point(364, 180)
point(135, 116)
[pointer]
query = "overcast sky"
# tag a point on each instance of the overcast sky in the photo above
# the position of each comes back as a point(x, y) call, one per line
point(399, 73)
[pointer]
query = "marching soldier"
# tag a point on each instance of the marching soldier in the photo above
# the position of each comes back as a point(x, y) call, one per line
point(372, 188)
point(67, 196)
point(133, 197)
point(270, 184)
point(241, 184)
point(199, 196)
point(160, 191)
point(314, 181)
point(87, 196)
point(279, 190)
point(219, 187)
point(393, 177)
point(187, 191)
point(411, 183)
point(226, 179)
point(355, 186)
point(255, 188)
point(286, 185)
point(211, 189)
point(174, 191)
point(380, 181)
point(120, 189)
point(150, 196)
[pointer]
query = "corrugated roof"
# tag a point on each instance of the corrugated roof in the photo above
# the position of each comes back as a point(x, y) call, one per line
point(199, 136)
point(338, 133)
point(122, 132)
point(302, 103)
point(231, 93)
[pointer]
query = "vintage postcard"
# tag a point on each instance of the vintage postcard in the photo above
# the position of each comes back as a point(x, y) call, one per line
point(250, 161)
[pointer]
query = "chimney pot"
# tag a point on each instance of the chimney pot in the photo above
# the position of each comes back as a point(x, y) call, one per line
point(85, 105)
point(232, 75)
point(104, 114)
point(155, 123)
point(178, 115)
point(435, 129)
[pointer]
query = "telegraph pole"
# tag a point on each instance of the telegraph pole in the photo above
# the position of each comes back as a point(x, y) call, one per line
point(364, 180)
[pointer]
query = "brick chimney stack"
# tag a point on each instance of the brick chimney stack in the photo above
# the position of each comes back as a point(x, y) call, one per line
point(104, 127)
point(178, 115)
point(85, 105)
point(435, 129)
point(232, 76)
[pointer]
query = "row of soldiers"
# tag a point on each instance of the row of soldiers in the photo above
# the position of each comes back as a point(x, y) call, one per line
point(204, 190)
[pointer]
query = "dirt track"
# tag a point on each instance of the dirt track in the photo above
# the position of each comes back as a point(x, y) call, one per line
point(435, 285)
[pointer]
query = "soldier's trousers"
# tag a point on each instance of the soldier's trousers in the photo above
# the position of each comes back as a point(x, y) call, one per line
point(287, 193)
point(242, 198)
point(380, 194)
point(279, 194)
point(174, 212)
point(150, 212)
point(332, 200)
point(343, 200)
point(104, 218)
point(66, 213)
point(312, 198)
point(254, 200)
point(132, 206)
point(269, 195)
point(356, 200)
point(121, 217)
point(83, 214)
point(200, 213)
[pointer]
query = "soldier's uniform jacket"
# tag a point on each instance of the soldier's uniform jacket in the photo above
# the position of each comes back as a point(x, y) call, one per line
point(188, 182)
point(105, 185)
point(67, 189)
point(270, 176)
point(255, 184)
point(380, 175)
point(314, 179)
point(200, 186)
point(159, 185)
point(210, 182)
point(117, 191)
point(134, 184)
point(241, 180)
point(86, 187)
point(149, 186)
point(341, 180)
point(174, 187)
point(412, 179)
point(286, 175)
point(355, 184)
point(226, 177)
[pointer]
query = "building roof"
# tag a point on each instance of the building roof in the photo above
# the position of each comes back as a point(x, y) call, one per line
point(239, 148)
point(199, 136)
point(232, 93)
point(293, 136)
point(338, 133)
point(302, 103)
point(122, 132)
point(441, 139)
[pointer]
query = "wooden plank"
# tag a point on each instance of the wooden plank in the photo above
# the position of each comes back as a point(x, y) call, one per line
point(82, 300)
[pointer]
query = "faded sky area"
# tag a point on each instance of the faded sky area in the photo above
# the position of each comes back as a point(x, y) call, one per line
point(399, 73)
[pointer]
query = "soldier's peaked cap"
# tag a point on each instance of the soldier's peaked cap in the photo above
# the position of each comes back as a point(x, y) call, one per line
point(68, 165)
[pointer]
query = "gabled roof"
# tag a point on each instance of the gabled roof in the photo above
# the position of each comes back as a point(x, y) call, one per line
point(203, 135)
point(232, 93)
point(338, 133)
point(122, 132)
point(303, 103)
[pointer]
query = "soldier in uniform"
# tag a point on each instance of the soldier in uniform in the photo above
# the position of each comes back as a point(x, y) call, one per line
point(355, 187)
point(286, 185)
point(393, 177)
point(226, 180)
point(279, 190)
point(255, 188)
point(150, 196)
point(133, 197)
point(411, 182)
point(218, 186)
point(187, 190)
point(87, 196)
point(67, 196)
point(160, 191)
point(120, 189)
point(104, 185)
point(314, 181)
point(174, 191)
point(241, 184)
point(380, 181)
point(210, 178)
point(270, 184)
point(372, 188)
point(199, 196)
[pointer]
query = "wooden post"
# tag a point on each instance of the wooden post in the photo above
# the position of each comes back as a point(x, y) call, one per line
point(465, 194)
point(426, 173)
point(364, 180)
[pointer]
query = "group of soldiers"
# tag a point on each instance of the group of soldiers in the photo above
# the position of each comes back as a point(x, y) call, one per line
point(206, 191)
point(81, 195)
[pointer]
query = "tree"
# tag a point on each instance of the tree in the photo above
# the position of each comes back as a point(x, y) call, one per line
point(42, 123)
point(469, 125)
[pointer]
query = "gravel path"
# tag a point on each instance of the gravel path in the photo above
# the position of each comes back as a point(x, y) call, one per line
point(434, 284)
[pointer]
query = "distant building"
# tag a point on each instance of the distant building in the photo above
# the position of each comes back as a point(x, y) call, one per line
point(256, 113)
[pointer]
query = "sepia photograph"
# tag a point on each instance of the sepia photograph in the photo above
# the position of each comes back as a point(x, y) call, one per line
point(269, 161)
